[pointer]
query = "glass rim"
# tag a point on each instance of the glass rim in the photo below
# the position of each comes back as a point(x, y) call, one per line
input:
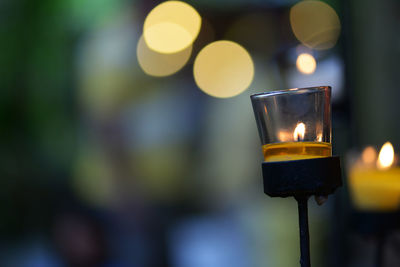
point(290, 91)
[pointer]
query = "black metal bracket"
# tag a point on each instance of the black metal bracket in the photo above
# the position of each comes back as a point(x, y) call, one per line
point(301, 179)
point(318, 176)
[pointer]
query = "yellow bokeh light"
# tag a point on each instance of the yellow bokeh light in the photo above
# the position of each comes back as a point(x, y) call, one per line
point(306, 63)
point(315, 24)
point(172, 26)
point(223, 69)
point(157, 64)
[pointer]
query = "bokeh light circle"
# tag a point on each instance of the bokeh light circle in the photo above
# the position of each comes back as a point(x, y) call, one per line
point(306, 63)
point(315, 24)
point(171, 27)
point(158, 64)
point(223, 69)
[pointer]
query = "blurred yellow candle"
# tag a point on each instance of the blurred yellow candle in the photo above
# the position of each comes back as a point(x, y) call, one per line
point(375, 188)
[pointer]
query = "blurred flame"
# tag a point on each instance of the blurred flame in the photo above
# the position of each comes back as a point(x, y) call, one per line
point(386, 156)
point(306, 63)
point(369, 155)
point(299, 132)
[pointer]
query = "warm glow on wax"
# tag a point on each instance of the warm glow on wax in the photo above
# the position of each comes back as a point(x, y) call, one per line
point(369, 155)
point(171, 27)
point(386, 156)
point(299, 132)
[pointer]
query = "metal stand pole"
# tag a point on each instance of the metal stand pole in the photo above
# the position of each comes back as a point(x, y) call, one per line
point(380, 247)
point(304, 234)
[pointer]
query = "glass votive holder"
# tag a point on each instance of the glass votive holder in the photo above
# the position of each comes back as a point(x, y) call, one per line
point(294, 124)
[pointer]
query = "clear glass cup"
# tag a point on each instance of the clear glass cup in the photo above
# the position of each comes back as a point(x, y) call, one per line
point(294, 124)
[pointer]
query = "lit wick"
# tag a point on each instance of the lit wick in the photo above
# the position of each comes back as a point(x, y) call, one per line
point(299, 132)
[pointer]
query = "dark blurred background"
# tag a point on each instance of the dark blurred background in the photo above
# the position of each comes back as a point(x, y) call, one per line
point(104, 165)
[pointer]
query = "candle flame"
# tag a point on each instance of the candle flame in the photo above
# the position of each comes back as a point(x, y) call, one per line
point(319, 137)
point(369, 155)
point(386, 156)
point(299, 132)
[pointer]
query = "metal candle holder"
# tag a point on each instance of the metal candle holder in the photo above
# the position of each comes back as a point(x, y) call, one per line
point(301, 179)
point(295, 131)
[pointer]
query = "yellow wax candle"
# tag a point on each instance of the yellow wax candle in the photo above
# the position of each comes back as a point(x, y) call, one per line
point(375, 190)
point(296, 151)
point(375, 185)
